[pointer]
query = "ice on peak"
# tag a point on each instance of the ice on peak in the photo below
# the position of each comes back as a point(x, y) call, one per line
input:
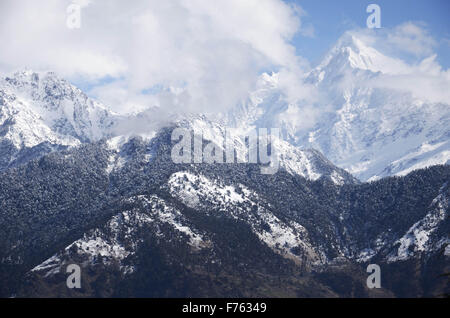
point(39, 109)
point(267, 79)
point(353, 52)
point(352, 41)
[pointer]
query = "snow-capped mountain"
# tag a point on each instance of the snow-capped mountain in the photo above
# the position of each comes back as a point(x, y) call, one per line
point(116, 203)
point(40, 112)
point(369, 130)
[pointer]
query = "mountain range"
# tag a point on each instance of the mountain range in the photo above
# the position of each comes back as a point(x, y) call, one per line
point(366, 182)
point(372, 131)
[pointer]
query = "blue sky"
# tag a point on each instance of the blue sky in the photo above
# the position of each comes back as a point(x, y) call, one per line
point(331, 18)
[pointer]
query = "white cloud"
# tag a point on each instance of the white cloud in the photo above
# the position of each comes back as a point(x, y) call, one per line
point(307, 29)
point(421, 75)
point(201, 55)
point(411, 38)
point(408, 40)
point(425, 80)
point(210, 52)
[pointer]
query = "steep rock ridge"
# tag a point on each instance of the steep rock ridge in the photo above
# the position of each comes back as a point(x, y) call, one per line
point(40, 113)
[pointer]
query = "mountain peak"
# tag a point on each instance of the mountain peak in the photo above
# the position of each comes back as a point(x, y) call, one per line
point(352, 52)
point(351, 41)
point(41, 110)
point(26, 77)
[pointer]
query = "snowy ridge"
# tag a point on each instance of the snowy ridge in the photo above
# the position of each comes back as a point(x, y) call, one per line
point(38, 109)
point(350, 52)
point(307, 163)
point(197, 191)
point(289, 239)
point(419, 238)
point(98, 243)
point(120, 154)
point(161, 212)
point(119, 239)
